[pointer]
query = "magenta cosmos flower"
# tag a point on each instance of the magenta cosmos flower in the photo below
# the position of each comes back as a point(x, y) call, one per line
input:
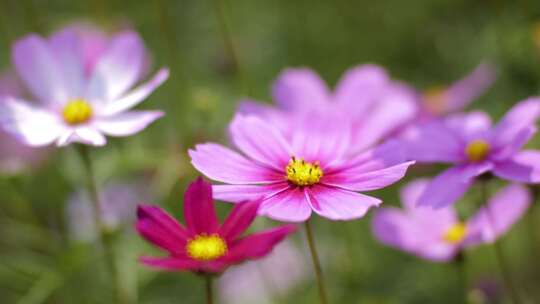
point(74, 105)
point(311, 171)
point(372, 103)
point(439, 235)
point(457, 96)
point(205, 245)
point(474, 147)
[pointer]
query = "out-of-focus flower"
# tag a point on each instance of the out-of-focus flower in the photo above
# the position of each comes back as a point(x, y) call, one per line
point(439, 235)
point(118, 205)
point(309, 171)
point(366, 97)
point(205, 245)
point(75, 106)
point(474, 147)
point(263, 281)
point(15, 156)
point(536, 35)
point(440, 101)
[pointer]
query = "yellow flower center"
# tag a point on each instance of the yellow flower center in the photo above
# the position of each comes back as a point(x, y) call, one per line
point(435, 99)
point(77, 111)
point(302, 173)
point(456, 233)
point(477, 150)
point(206, 247)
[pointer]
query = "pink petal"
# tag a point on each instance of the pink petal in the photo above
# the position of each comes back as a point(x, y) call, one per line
point(461, 93)
point(239, 219)
point(39, 70)
point(224, 165)
point(128, 123)
point(338, 204)
point(161, 229)
point(523, 167)
point(510, 148)
point(30, 125)
point(66, 46)
point(119, 67)
point(171, 263)
point(410, 194)
point(449, 186)
point(291, 205)
point(199, 211)
point(361, 86)
point(258, 245)
point(433, 142)
point(299, 89)
point(502, 211)
point(239, 193)
point(522, 116)
point(133, 98)
point(469, 126)
point(260, 141)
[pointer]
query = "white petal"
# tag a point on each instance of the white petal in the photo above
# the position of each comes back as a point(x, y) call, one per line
point(126, 124)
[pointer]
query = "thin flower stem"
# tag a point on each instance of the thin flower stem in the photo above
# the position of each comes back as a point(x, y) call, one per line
point(316, 264)
point(209, 289)
point(105, 237)
point(503, 266)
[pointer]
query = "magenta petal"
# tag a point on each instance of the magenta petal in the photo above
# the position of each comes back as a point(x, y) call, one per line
point(299, 89)
point(522, 116)
point(257, 245)
point(338, 204)
point(171, 263)
point(224, 165)
point(239, 219)
point(161, 229)
point(260, 141)
point(502, 211)
point(128, 123)
point(199, 211)
point(291, 205)
point(523, 167)
point(449, 186)
point(239, 193)
point(510, 148)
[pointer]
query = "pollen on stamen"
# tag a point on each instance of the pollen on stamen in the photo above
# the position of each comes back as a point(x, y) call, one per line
point(206, 247)
point(77, 111)
point(456, 233)
point(477, 150)
point(302, 173)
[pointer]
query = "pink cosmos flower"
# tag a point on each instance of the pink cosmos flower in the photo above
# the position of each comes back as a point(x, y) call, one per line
point(73, 105)
point(309, 171)
point(439, 235)
point(15, 156)
point(474, 147)
point(456, 97)
point(372, 103)
point(205, 245)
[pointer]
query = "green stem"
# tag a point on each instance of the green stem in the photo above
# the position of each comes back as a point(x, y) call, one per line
point(503, 265)
point(209, 290)
point(316, 264)
point(105, 237)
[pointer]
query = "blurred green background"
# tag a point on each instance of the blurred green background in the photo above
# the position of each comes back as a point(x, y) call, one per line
point(220, 51)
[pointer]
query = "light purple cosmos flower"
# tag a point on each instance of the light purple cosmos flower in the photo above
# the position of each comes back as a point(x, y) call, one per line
point(473, 146)
point(74, 106)
point(15, 156)
point(366, 97)
point(263, 281)
point(118, 204)
point(309, 171)
point(440, 101)
point(439, 235)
